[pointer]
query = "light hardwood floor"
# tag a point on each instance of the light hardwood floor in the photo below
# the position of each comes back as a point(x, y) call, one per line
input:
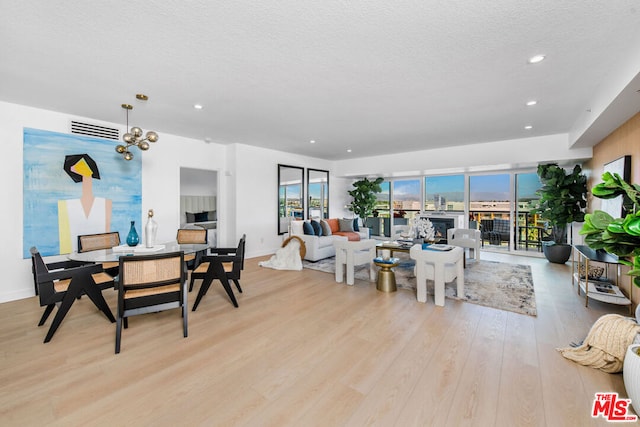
point(302, 350)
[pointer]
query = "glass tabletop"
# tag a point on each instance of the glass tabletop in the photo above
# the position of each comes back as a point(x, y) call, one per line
point(114, 254)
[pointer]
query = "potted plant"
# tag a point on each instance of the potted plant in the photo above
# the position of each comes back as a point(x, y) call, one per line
point(618, 236)
point(562, 201)
point(621, 237)
point(364, 197)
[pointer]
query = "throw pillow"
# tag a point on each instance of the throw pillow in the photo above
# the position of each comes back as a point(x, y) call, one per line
point(297, 227)
point(334, 224)
point(308, 229)
point(326, 228)
point(317, 229)
point(356, 226)
point(191, 217)
point(212, 215)
point(202, 217)
point(346, 224)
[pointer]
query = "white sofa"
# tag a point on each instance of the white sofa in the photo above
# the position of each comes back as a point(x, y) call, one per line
point(321, 247)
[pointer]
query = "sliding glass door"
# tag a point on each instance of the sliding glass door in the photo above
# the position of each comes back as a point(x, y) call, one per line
point(490, 209)
point(529, 227)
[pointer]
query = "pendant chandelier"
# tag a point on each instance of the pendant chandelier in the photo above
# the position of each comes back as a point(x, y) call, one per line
point(134, 136)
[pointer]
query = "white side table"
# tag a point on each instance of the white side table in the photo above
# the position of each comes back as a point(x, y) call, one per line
point(441, 267)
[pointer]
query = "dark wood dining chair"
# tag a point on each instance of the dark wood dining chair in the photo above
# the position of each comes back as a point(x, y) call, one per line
point(148, 284)
point(63, 282)
point(94, 242)
point(223, 264)
point(187, 236)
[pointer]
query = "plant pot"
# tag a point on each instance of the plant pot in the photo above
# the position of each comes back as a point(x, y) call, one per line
point(558, 254)
point(631, 375)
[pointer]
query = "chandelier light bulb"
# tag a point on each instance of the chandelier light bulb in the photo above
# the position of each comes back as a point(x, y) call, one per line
point(120, 149)
point(136, 131)
point(152, 136)
point(144, 146)
point(128, 155)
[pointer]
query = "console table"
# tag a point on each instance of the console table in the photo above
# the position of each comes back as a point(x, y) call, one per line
point(605, 292)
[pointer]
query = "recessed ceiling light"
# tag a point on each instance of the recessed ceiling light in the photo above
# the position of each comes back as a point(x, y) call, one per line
point(530, 103)
point(348, 150)
point(312, 141)
point(536, 59)
point(527, 127)
point(198, 106)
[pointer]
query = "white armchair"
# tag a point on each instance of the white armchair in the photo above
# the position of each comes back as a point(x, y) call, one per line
point(466, 238)
point(350, 254)
point(441, 267)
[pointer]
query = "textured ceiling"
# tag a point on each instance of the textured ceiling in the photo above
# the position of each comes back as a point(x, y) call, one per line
point(371, 76)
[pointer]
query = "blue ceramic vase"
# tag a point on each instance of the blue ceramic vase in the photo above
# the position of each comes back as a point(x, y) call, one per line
point(132, 238)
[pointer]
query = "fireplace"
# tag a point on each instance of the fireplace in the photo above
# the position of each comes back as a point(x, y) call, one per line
point(440, 225)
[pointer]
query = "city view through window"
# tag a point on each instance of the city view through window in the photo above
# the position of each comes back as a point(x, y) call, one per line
point(491, 202)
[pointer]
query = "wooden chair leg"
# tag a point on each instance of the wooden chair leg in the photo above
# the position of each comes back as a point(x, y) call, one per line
point(45, 315)
point(204, 287)
point(184, 315)
point(118, 333)
point(237, 285)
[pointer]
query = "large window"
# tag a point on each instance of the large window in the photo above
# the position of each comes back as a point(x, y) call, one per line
point(407, 200)
point(529, 227)
point(444, 193)
point(489, 208)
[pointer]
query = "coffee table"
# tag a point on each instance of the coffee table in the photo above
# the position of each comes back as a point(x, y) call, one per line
point(393, 247)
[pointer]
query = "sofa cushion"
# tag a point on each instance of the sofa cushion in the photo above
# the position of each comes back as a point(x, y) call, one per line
point(333, 224)
point(346, 225)
point(352, 236)
point(326, 228)
point(296, 227)
point(317, 229)
point(307, 228)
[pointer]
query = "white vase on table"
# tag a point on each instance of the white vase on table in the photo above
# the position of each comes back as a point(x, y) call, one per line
point(150, 230)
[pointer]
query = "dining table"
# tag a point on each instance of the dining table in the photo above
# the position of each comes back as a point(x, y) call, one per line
point(113, 255)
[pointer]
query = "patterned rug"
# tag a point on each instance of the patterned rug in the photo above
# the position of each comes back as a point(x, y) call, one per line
point(492, 284)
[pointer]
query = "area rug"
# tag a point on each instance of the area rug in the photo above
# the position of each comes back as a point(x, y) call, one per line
point(493, 284)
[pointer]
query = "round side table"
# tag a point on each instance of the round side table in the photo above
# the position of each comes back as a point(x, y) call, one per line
point(386, 276)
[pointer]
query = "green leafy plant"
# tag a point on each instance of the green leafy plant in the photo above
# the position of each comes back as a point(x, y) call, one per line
point(562, 198)
point(364, 196)
point(618, 236)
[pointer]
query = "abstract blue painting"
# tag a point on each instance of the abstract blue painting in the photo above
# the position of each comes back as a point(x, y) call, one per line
point(74, 184)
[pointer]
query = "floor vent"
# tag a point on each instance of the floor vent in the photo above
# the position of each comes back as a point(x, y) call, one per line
point(95, 130)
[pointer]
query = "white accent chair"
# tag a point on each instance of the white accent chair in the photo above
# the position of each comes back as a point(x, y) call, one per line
point(466, 238)
point(441, 267)
point(350, 254)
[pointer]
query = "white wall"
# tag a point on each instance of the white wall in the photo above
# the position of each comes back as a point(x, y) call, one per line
point(198, 182)
point(255, 175)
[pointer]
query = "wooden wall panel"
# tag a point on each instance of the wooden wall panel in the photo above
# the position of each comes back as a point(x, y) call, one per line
point(623, 141)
